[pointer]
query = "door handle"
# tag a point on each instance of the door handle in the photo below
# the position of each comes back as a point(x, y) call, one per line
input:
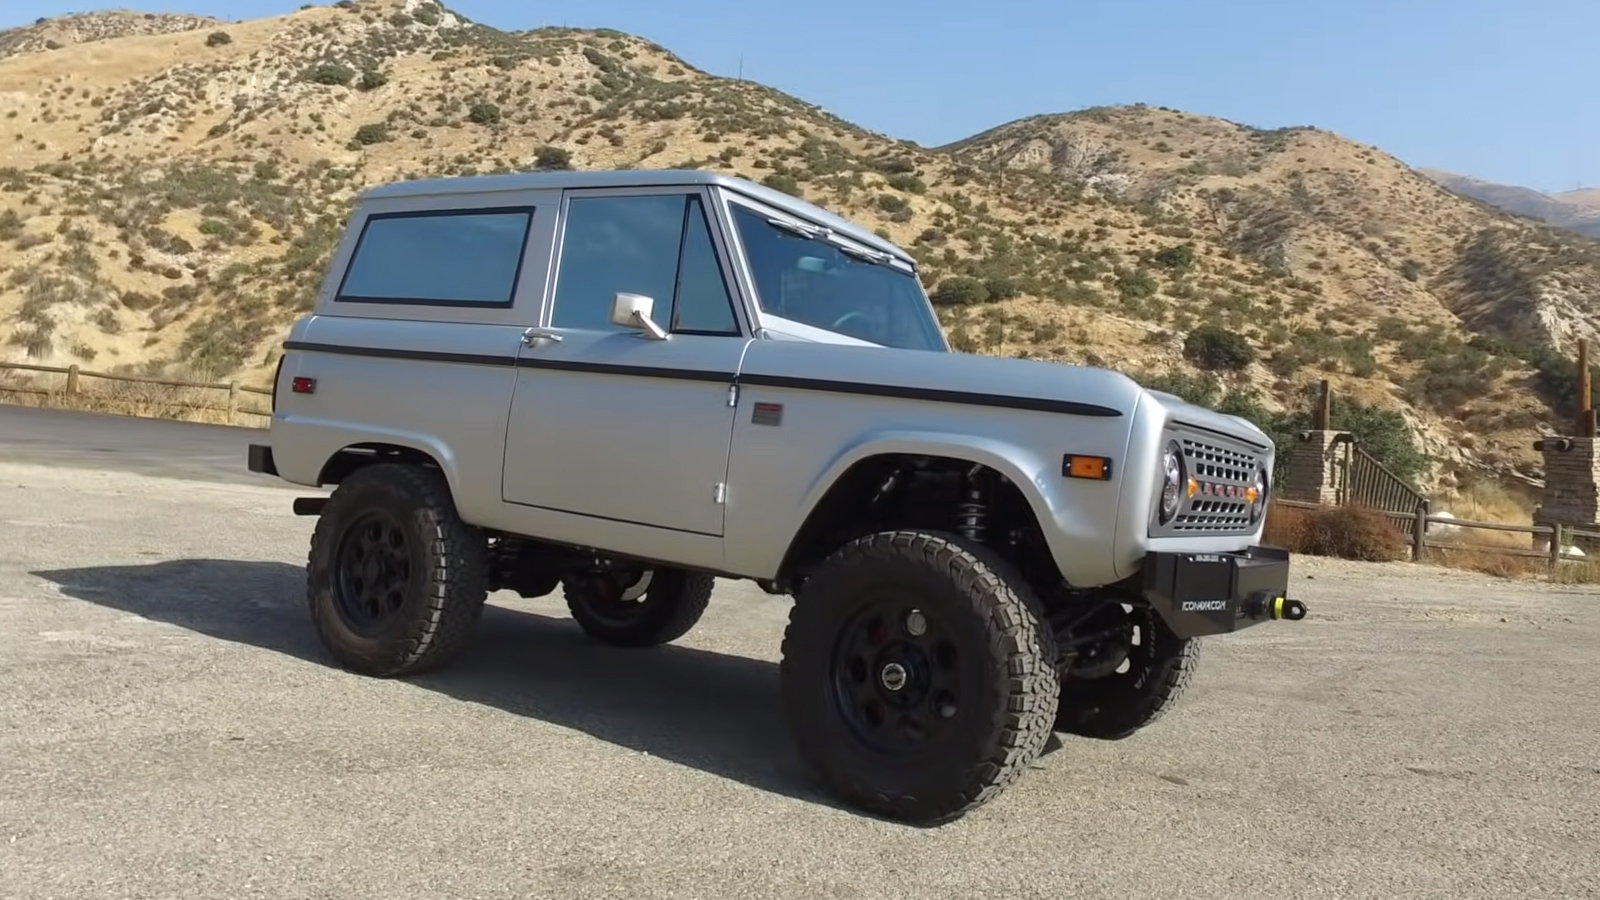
point(536, 334)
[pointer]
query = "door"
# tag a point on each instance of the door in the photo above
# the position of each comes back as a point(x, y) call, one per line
point(607, 421)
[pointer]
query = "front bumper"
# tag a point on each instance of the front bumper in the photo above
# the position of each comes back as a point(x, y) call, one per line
point(1201, 594)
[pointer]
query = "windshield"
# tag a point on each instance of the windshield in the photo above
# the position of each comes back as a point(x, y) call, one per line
point(815, 282)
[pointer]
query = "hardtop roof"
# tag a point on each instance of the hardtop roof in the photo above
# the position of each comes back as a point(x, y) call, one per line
point(525, 181)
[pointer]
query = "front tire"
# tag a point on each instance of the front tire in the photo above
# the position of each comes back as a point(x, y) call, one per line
point(638, 609)
point(1151, 670)
point(395, 580)
point(917, 675)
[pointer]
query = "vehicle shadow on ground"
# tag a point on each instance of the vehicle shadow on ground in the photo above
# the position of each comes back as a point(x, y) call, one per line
point(712, 711)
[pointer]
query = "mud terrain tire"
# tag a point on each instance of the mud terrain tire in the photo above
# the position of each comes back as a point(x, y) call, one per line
point(395, 580)
point(971, 672)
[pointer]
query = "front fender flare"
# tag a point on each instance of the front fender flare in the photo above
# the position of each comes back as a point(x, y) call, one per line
point(1078, 519)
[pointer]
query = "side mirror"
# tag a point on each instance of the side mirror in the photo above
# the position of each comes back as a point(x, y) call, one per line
point(633, 311)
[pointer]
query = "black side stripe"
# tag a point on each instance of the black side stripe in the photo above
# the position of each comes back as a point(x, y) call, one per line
point(474, 359)
point(569, 365)
point(823, 385)
point(966, 398)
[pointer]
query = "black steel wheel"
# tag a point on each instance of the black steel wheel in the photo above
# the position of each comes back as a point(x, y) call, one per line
point(897, 678)
point(395, 580)
point(638, 608)
point(372, 572)
point(1129, 677)
point(917, 675)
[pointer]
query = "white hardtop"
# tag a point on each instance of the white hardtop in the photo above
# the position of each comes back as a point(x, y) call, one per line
point(623, 178)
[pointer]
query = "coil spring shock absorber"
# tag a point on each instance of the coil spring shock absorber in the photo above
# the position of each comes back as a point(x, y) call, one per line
point(972, 513)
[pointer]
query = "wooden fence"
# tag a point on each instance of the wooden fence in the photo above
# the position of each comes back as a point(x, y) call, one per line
point(73, 387)
point(1560, 536)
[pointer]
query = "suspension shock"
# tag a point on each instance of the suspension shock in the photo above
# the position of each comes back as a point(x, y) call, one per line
point(972, 513)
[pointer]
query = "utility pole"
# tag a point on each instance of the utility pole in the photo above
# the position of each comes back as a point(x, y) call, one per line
point(1586, 418)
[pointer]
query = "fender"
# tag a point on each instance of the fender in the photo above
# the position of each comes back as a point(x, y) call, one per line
point(330, 438)
point(1078, 517)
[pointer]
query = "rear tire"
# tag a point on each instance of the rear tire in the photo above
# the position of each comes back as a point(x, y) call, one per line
point(1116, 705)
point(624, 610)
point(395, 580)
point(922, 717)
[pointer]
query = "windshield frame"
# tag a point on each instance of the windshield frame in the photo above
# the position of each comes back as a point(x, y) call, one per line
point(769, 324)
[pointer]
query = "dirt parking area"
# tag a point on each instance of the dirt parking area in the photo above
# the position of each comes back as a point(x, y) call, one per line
point(170, 727)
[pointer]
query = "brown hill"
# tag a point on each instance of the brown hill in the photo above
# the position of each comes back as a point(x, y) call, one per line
point(80, 28)
point(169, 200)
point(1585, 200)
point(1577, 211)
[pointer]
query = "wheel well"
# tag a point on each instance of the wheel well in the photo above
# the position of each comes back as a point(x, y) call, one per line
point(934, 493)
point(340, 465)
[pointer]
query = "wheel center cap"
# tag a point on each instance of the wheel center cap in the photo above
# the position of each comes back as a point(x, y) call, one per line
point(893, 677)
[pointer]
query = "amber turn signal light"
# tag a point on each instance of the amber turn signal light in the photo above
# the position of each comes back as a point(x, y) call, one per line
point(1078, 466)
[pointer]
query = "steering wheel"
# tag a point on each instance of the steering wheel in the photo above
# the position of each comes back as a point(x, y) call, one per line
point(839, 322)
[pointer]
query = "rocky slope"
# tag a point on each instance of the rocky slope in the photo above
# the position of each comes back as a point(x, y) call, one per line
point(169, 200)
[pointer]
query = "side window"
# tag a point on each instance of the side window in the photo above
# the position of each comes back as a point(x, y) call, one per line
point(704, 305)
point(449, 257)
point(658, 245)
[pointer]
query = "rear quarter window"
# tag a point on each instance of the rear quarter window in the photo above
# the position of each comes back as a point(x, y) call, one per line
point(439, 257)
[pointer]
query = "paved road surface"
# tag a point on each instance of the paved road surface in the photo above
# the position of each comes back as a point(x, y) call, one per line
point(169, 727)
point(127, 444)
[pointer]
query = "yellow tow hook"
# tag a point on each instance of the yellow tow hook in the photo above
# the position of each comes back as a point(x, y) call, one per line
point(1284, 608)
point(1275, 607)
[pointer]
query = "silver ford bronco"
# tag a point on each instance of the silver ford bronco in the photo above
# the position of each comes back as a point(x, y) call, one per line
point(627, 384)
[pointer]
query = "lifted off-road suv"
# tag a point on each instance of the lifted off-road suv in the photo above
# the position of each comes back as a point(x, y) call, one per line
point(623, 385)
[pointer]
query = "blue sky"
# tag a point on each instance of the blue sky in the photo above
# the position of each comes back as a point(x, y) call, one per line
point(1508, 91)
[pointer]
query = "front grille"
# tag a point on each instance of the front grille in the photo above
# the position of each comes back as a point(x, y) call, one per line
point(1223, 473)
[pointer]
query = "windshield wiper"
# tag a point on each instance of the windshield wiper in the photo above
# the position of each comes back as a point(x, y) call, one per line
point(806, 231)
point(814, 232)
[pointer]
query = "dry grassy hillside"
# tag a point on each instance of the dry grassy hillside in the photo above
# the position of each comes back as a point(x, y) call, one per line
point(168, 200)
point(66, 31)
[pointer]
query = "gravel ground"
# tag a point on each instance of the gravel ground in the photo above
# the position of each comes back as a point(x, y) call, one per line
point(170, 727)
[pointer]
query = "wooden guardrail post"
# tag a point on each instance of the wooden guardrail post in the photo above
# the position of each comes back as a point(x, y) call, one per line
point(72, 380)
point(233, 403)
point(1557, 538)
point(1419, 534)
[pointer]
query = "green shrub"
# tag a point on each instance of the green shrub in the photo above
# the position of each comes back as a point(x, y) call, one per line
point(552, 157)
point(960, 290)
point(780, 181)
point(1214, 347)
point(331, 73)
point(218, 39)
point(375, 133)
point(1178, 258)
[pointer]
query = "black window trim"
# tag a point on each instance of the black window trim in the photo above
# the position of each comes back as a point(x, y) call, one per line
point(691, 203)
point(529, 211)
point(690, 195)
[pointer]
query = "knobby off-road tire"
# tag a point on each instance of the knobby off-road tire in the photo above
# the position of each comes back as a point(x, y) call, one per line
point(671, 604)
point(1120, 704)
point(979, 681)
point(396, 581)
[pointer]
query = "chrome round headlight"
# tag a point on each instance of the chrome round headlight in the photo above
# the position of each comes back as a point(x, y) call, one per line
point(1171, 481)
point(1256, 495)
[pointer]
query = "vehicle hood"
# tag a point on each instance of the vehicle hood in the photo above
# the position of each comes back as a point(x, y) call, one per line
point(928, 371)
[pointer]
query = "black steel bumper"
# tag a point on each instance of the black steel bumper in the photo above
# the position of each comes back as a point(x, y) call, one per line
point(1218, 593)
point(260, 459)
